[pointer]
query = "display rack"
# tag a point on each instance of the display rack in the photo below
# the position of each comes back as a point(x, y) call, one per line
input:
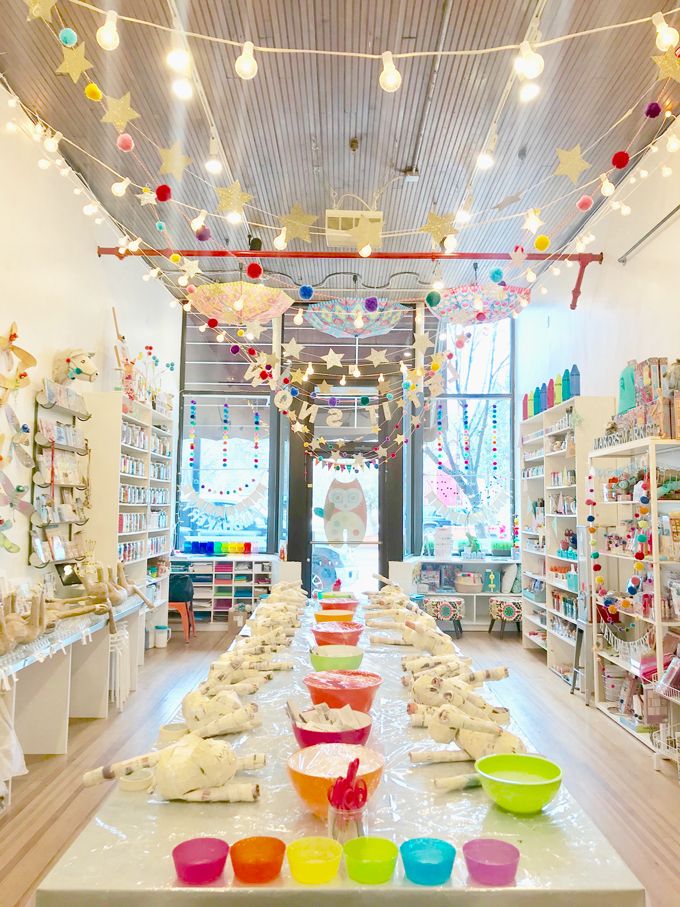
point(554, 448)
point(132, 472)
point(60, 481)
point(637, 634)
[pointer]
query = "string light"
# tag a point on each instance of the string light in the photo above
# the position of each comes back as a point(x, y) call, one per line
point(11, 126)
point(135, 244)
point(298, 319)
point(203, 328)
point(187, 306)
point(530, 276)
point(450, 243)
point(213, 164)
point(13, 102)
point(607, 188)
point(151, 274)
point(643, 174)
point(119, 189)
point(529, 91)
point(107, 35)
point(280, 240)
point(625, 210)
point(182, 89)
point(381, 378)
point(234, 217)
point(182, 280)
point(667, 37)
point(343, 381)
point(365, 251)
point(246, 64)
point(43, 163)
point(390, 77)
point(199, 220)
point(672, 144)
point(357, 372)
point(463, 215)
point(51, 143)
point(528, 64)
point(179, 61)
point(555, 270)
point(90, 209)
point(485, 160)
point(544, 290)
point(666, 170)
point(220, 338)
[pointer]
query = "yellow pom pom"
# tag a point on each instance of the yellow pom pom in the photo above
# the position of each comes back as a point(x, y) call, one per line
point(175, 258)
point(638, 566)
point(599, 580)
point(613, 609)
point(626, 603)
point(240, 332)
point(541, 242)
point(644, 509)
point(643, 524)
point(435, 366)
point(93, 92)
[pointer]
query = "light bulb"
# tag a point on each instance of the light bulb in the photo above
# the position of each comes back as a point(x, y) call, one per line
point(381, 378)
point(182, 89)
point(666, 170)
point(122, 250)
point(390, 77)
point(187, 306)
point(438, 285)
point(625, 210)
point(213, 165)
point(485, 161)
point(402, 367)
point(234, 217)
point(298, 318)
point(672, 144)
point(529, 92)
point(119, 189)
point(356, 372)
point(343, 381)
point(99, 220)
point(13, 101)
point(64, 172)
point(528, 64)
point(280, 240)
point(199, 220)
point(182, 280)
point(569, 264)
point(179, 61)
point(43, 163)
point(238, 305)
point(667, 37)
point(310, 370)
point(365, 251)
point(607, 188)
point(555, 270)
point(107, 35)
point(463, 216)
point(544, 291)
point(450, 242)
point(644, 174)
point(358, 321)
point(90, 209)
point(523, 302)
point(77, 191)
point(530, 275)
point(246, 64)
point(51, 143)
point(135, 244)
point(11, 126)
point(220, 338)
point(203, 328)
point(632, 180)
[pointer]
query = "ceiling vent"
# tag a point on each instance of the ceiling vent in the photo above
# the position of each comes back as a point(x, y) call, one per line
point(339, 223)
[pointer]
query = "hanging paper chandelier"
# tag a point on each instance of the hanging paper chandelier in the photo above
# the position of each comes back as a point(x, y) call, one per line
point(239, 302)
point(475, 303)
point(352, 317)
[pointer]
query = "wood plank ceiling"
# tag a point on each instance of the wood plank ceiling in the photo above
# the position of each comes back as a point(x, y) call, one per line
point(286, 133)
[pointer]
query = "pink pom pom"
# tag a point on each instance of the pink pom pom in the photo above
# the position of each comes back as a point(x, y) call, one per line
point(125, 142)
point(460, 343)
point(191, 288)
point(585, 203)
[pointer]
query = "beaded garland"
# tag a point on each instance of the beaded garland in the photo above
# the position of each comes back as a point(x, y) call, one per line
point(225, 433)
point(494, 438)
point(466, 436)
point(192, 431)
point(440, 439)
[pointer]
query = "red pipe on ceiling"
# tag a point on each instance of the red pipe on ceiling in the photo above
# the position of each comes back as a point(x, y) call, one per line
point(582, 258)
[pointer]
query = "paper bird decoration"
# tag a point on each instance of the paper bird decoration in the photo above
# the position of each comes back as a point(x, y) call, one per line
point(571, 163)
point(439, 226)
point(119, 112)
point(11, 496)
point(297, 223)
point(232, 198)
point(19, 440)
point(173, 161)
point(74, 63)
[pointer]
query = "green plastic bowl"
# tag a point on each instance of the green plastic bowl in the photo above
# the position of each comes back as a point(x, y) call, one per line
point(336, 658)
point(518, 782)
point(371, 861)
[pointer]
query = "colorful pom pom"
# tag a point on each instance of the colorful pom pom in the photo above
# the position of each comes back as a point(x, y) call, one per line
point(125, 142)
point(294, 392)
point(305, 291)
point(371, 304)
point(93, 92)
point(212, 322)
point(620, 159)
point(364, 401)
point(541, 242)
point(496, 275)
point(68, 37)
point(433, 299)
point(203, 234)
point(163, 192)
point(160, 226)
point(175, 258)
point(652, 110)
point(254, 270)
point(585, 203)
point(191, 288)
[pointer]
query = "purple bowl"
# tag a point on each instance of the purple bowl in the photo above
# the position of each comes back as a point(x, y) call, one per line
point(490, 861)
point(200, 861)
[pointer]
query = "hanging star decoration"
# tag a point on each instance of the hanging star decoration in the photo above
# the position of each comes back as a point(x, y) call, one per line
point(367, 232)
point(232, 198)
point(507, 201)
point(333, 359)
point(191, 268)
point(297, 223)
point(119, 112)
point(439, 226)
point(292, 349)
point(532, 221)
point(253, 330)
point(173, 161)
point(146, 197)
point(358, 461)
point(74, 63)
point(41, 9)
point(571, 163)
point(298, 376)
point(421, 343)
point(378, 357)
point(324, 388)
point(668, 65)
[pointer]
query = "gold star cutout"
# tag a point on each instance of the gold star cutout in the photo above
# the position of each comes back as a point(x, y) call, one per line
point(358, 461)
point(298, 376)
point(571, 163)
point(232, 198)
point(146, 197)
point(669, 65)
point(173, 161)
point(532, 221)
point(398, 439)
point(438, 226)
point(378, 357)
point(297, 223)
point(253, 330)
point(191, 268)
point(366, 233)
point(333, 359)
point(421, 343)
point(41, 9)
point(119, 112)
point(381, 451)
point(324, 388)
point(292, 349)
point(74, 63)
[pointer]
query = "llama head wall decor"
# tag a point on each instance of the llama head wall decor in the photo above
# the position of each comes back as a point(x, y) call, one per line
point(74, 364)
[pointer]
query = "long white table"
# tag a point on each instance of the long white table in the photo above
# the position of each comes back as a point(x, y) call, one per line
point(123, 857)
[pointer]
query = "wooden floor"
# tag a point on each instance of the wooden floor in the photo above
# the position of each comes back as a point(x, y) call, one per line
point(605, 769)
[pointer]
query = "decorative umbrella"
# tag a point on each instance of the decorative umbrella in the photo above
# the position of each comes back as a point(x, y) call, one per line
point(340, 317)
point(240, 302)
point(475, 303)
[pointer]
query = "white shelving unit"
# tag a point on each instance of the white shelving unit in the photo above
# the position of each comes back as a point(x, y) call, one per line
point(554, 448)
point(132, 470)
point(651, 618)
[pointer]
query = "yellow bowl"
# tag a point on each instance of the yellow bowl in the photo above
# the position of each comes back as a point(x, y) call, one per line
point(314, 861)
point(335, 614)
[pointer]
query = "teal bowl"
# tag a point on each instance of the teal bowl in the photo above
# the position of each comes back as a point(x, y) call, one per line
point(336, 658)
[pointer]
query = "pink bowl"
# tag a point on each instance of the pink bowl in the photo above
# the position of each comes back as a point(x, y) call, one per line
point(347, 604)
point(344, 633)
point(308, 737)
point(490, 861)
point(356, 689)
point(199, 861)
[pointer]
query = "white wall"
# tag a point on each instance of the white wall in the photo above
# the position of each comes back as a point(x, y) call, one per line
point(59, 292)
point(629, 311)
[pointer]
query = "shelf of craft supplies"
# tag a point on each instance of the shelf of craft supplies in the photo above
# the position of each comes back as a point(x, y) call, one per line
point(41, 400)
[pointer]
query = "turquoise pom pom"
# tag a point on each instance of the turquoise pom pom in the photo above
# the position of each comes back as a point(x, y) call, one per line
point(68, 37)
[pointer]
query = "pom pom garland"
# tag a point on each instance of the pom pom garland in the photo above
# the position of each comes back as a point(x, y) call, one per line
point(541, 242)
point(585, 203)
point(254, 270)
point(93, 92)
point(496, 275)
point(203, 234)
point(620, 159)
point(305, 291)
point(163, 192)
point(433, 298)
point(652, 110)
point(68, 37)
point(371, 304)
point(125, 142)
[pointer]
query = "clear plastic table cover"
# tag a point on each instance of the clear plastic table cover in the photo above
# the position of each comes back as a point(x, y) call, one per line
point(123, 856)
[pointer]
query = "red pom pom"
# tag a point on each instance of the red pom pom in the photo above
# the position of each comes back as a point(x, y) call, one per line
point(251, 350)
point(620, 160)
point(286, 380)
point(125, 142)
point(163, 192)
point(264, 374)
point(639, 555)
point(585, 203)
point(597, 568)
point(212, 322)
point(254, 270)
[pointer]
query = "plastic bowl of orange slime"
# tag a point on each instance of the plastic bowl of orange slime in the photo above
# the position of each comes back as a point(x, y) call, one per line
point(257, 859)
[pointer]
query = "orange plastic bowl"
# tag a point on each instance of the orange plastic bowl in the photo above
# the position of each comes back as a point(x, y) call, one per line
point(258, 859)
point(338, 633)
point(335, 614)
point(314, 769)
point(356, 689)
point(347, 604)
